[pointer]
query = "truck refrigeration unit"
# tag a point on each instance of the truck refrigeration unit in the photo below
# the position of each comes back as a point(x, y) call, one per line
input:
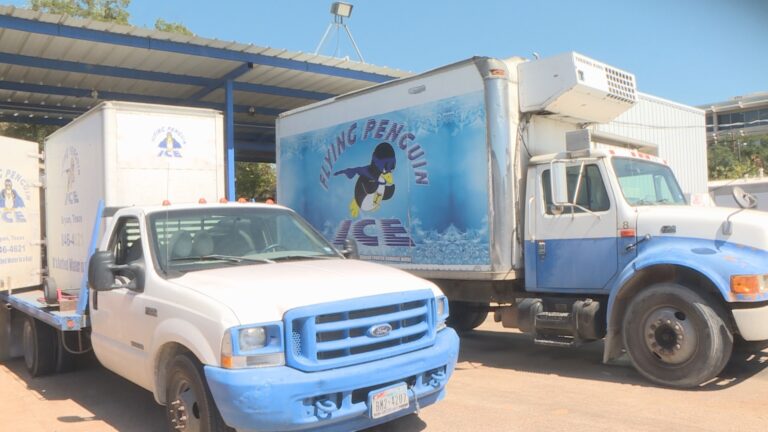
point(542, 190)
point(235, 316)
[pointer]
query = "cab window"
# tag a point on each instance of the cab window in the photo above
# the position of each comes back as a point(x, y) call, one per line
point(592, 193)
point(125, 243)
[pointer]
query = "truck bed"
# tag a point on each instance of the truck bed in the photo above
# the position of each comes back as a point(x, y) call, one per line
point(31, 303)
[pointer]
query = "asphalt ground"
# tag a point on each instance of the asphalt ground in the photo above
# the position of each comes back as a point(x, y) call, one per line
point(503, 382)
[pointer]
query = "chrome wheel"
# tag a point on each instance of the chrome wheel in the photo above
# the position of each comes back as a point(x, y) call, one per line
point(670, 335)
point(185, 408)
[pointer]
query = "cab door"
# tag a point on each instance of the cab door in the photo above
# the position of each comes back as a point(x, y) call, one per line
point(574, 248)
point(118, 316)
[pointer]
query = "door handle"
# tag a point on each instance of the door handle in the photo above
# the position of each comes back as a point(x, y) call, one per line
point(541, 248)
point(530, 216)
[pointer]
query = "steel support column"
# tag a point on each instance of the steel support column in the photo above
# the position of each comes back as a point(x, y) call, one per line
point(229, 133)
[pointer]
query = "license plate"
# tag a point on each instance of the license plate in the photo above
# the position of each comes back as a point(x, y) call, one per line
point(388, 401)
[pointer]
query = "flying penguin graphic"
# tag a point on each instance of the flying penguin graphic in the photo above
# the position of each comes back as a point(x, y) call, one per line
point(169, 146)
point(374, 181)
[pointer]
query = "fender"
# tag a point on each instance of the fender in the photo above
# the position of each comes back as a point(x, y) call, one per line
point(178, 331)
point(715, 260)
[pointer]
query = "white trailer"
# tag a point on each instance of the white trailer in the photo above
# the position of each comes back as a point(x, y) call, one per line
point(123, 154)
point(19, 214)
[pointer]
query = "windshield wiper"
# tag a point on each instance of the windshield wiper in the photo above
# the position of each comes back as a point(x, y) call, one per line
point(294, 257)
point(227, 258)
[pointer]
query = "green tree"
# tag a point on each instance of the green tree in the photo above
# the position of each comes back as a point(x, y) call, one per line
point(102, 10)
point(28, 132)
point(255, 180)
point(736, 157)
point(172, 27)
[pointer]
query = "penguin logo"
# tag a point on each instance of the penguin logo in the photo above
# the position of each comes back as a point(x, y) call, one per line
point(375, 182)
point(10, 198)
point(169, 141)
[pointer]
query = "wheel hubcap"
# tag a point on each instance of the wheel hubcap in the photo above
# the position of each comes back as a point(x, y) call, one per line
point(670, 335)
point(185, 414)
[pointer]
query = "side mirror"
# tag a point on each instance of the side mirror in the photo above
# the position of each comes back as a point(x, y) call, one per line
point(743, 198)
point(102, 273)
point(350, 249)
point(100, 276)
point(558, 179)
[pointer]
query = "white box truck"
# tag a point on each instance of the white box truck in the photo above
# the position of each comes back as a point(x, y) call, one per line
point(541, 190)
point(236, 316)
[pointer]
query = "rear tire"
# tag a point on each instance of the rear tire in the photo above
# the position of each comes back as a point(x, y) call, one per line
point(190, 406)
point(466, 316)
point(674, 337)
point(39, 342)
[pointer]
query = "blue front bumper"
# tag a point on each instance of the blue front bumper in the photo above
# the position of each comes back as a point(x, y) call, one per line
point(285, 399)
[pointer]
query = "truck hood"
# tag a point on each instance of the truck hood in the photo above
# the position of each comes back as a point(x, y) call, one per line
point(748, 227)
point(264, 292)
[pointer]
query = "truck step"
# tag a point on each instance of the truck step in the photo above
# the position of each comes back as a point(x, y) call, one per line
point(559, 321)
point(557, 341)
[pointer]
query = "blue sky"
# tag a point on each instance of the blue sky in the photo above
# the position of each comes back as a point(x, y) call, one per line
point(689, 51)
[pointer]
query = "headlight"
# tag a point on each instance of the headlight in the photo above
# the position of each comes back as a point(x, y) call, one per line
point(253, 346)
point(252, 338)
point(441, 311)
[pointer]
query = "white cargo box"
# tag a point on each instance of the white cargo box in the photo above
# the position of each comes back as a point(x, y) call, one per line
point(19, 214)
point(124, 154)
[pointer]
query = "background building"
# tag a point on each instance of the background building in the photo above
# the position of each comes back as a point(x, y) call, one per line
point(737, 139)
point(740, 116)
point(737, 136)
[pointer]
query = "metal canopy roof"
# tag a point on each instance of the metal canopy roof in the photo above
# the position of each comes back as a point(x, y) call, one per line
point(53, 68)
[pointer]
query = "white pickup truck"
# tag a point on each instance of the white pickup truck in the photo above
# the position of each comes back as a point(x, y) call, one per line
point(246, 305)
point(235, 316)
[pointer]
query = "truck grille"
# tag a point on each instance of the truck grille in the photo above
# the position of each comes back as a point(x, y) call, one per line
point(338, 334)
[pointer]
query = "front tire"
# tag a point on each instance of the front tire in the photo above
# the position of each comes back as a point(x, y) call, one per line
point(190, 406)
point(674, 337)
point(466, 316)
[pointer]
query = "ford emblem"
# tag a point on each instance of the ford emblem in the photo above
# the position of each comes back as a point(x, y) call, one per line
point(379, 330)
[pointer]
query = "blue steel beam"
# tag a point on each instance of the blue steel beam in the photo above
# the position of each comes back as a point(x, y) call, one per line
point(229, 76)
point(256, 147)
point(94, 69)
point(42, 109)
point(166, 77)
point(303, 94)
point(255, 125)
point(255, 152)
point(242, 129)
point(108, 95)
point(61, 30)
point(34, 120)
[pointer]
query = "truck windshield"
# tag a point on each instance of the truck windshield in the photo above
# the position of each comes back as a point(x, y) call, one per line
point(197, 239)
point(647, 183)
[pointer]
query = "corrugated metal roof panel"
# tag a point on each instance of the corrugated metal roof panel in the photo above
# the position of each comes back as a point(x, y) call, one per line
point(67, 85)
